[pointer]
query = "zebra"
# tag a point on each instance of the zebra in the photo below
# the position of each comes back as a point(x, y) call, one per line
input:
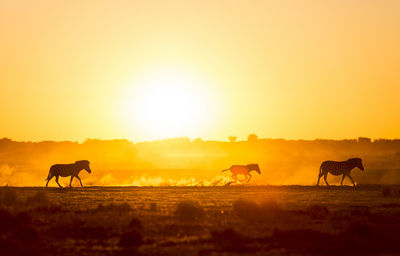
point(242, 169)
point(65, 170)
point(339, 168)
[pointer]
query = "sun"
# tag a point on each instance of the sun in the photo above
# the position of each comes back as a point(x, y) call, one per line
point(168, 103)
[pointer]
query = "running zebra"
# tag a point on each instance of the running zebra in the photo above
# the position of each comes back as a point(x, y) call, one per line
point(65, 170)
point(339, 168)
point(244, 170)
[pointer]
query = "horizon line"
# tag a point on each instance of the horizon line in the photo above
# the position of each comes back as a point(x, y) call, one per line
point(200, 139)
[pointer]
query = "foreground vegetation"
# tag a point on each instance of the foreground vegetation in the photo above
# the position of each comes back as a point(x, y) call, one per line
point(186, 221)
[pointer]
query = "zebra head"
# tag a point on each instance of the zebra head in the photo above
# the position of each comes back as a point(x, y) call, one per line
point(254, 167)
point(84, 165)
point(356, 162)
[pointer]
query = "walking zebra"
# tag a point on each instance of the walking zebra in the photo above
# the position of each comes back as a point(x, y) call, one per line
point(242, 169)
point(339, 168)
point(65, 170)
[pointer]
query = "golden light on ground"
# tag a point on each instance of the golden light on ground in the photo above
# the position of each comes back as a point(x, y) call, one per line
point(168, 102)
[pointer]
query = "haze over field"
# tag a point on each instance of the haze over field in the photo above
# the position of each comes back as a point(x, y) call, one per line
point(181, 162)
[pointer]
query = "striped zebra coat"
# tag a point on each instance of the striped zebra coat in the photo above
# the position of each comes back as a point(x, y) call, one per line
point(339, 168)
point(243, 170)
point(65, 170)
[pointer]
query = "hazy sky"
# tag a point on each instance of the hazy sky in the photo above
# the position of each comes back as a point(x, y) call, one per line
point(71, 70)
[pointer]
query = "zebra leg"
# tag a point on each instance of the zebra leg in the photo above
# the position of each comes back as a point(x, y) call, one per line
point(319, 177)
point(57, 181)
point(351, 180)
point(234, 177)
point(47, 183)
point(249, 177)
point(326, 175)
point(79, 180)
point(341, 183)
point(70, 182)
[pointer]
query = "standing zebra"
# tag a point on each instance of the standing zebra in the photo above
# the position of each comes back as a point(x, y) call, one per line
point(244, 170)
point(339, 168)
point(65, 170)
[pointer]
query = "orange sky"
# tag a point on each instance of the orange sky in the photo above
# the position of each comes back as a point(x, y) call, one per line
point(71, 70)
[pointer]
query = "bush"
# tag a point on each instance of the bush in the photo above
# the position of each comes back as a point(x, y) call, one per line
point(318, 211)
point(132, 238)
point(189, 210)
point(253, 211)
point(231, 242)
point(228, 235)
point(135, 224)
point(387, 191)
point(305, 240)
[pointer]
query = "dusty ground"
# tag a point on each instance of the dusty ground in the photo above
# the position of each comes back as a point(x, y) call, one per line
point(245, 220)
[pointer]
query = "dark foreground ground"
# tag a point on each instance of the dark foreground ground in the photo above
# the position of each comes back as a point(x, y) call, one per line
point(291, 220)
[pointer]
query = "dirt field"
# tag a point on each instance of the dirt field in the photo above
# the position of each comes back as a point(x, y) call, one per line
point(245, 220)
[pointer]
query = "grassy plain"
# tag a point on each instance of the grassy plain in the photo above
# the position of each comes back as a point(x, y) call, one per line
point(245, 220)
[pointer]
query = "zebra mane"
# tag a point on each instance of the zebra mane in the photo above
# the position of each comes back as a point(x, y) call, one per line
point(354, 160)
point(252, 165)
point(82, 162)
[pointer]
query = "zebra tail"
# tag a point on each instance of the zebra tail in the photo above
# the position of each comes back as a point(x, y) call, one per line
point(225, 170)
point(48, 176)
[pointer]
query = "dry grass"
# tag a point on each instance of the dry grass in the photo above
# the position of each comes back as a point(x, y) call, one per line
point(8, 197)
point(32, 224)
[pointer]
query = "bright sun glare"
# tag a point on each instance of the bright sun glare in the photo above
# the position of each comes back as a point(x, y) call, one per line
point(168, 103)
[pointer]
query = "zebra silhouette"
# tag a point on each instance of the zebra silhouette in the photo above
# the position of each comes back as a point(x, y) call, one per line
point(65, 170)
point(339, 168)
point(244, 170)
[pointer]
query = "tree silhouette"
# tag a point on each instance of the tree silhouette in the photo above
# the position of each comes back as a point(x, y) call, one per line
point(232, 139)
point(252, 138)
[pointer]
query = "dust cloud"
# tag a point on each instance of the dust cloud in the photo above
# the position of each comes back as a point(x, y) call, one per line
point(185, 162)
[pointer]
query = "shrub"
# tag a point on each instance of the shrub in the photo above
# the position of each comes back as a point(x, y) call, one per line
point(230, 241)
point(318, 211)
point(188, 210)
point(387, 191)
point(253, 211)
point(135, 224)
point(132, 238)
point(228, 235)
